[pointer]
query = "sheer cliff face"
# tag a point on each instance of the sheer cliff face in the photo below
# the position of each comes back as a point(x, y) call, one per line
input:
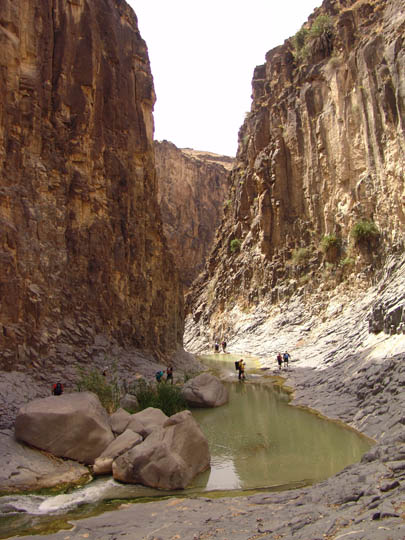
point(321, 150)
point(82, 254)
point(192, 188)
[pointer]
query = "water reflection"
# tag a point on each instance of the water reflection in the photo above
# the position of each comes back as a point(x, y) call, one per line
point(257, 440)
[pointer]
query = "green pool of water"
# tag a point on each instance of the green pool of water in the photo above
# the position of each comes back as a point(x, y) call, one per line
point(257, 441)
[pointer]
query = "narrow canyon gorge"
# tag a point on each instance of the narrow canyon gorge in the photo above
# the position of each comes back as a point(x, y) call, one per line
point(119, 250)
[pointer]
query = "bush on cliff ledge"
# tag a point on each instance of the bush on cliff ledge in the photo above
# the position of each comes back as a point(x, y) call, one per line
point(235, 245)
point(365, 232)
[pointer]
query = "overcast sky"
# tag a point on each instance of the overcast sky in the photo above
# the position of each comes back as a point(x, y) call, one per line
point(202, 54)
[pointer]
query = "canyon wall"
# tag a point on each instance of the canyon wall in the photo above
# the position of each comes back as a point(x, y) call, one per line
point(192, 188)
point(83, 261)
point(317, 190)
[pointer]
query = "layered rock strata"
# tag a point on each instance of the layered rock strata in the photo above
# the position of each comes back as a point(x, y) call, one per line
point(83, 260)
point(192, 190)
point(320, 161)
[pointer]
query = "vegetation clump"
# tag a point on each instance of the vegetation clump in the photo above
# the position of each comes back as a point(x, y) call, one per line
point(330, 246)
point(107, 390)
point(235, 245)
point(303, 39)
point(365, 232)
point(301, 255)
point(166, 397)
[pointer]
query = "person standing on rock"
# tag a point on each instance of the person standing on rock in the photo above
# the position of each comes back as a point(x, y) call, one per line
point(57, 389)
point(169, 373)
point(216, 347)
point(279, 360)
point(224, 346)
point(286, 358)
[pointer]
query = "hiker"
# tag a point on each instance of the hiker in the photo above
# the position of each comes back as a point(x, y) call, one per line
point(159, 375)
point(57, 389)
point(216, 347)
point(241, 366)
point(286, 358)
point(224, 346)
point(279, 360)
point(169, 375)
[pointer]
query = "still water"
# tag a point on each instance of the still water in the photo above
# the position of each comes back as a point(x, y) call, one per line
point(257, 441)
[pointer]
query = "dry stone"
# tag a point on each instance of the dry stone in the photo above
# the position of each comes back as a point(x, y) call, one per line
point(169, 458)
point(147, 420)
point(205, 390)
point(119, 421)
point(123, 443)
point(73, 425)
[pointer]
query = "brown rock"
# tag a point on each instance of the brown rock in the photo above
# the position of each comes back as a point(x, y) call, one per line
point(82, 252)
point(192, 188)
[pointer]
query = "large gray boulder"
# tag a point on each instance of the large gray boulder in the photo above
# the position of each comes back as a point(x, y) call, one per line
point(144, 422)
point(73, 425)
point(169, 458)
point(123, 443)
point(205, 390)
point(119, 421)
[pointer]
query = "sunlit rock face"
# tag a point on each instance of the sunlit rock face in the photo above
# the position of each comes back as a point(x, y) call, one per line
point(193, 187)
point(82, 254)
point(321, 150)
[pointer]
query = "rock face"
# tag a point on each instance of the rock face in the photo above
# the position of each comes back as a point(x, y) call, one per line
point(205, 390)
point(192, 188)
point(320, 158)
point(83, 258)
point(170, 456)
point(72, 425)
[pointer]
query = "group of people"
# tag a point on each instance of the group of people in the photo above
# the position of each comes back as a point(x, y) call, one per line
point(169, 375)
point(223, 345)
point(283, 358)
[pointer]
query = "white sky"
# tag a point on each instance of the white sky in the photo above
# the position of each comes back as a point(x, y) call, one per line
point(202, 54)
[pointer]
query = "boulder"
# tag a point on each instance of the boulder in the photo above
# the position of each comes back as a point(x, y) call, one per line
point(205, 390)
point(169, 458)
point(147, 420)
point(129, 402)
point(123, 443)
point(119, 421)
point(73, 425)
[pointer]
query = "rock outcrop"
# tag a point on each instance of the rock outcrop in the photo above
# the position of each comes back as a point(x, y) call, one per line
point(169, 458)
point(192, 188)
point(73, 426)
point(317, 193)
point(205, 390)
point(83, 260)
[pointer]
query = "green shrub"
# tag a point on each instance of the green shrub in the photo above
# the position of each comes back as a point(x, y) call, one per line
point(329, 241)
point(107, 390)
point(365, 231)
point(347, 261)
point(235, 245)
point(166, 397)
point(322, 25)
point(300, 255)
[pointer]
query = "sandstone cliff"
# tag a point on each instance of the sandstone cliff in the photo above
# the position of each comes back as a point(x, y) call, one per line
point(83, 260)
point(192, 187)
point(317, 189)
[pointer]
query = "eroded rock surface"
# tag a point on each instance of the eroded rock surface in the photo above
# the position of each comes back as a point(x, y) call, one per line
point(83, 260)
point(73, 425)
point(192, 188)
point(205, 390)
point(169, 458)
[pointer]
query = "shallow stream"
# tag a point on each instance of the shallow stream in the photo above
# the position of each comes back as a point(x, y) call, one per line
point(257, 441)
